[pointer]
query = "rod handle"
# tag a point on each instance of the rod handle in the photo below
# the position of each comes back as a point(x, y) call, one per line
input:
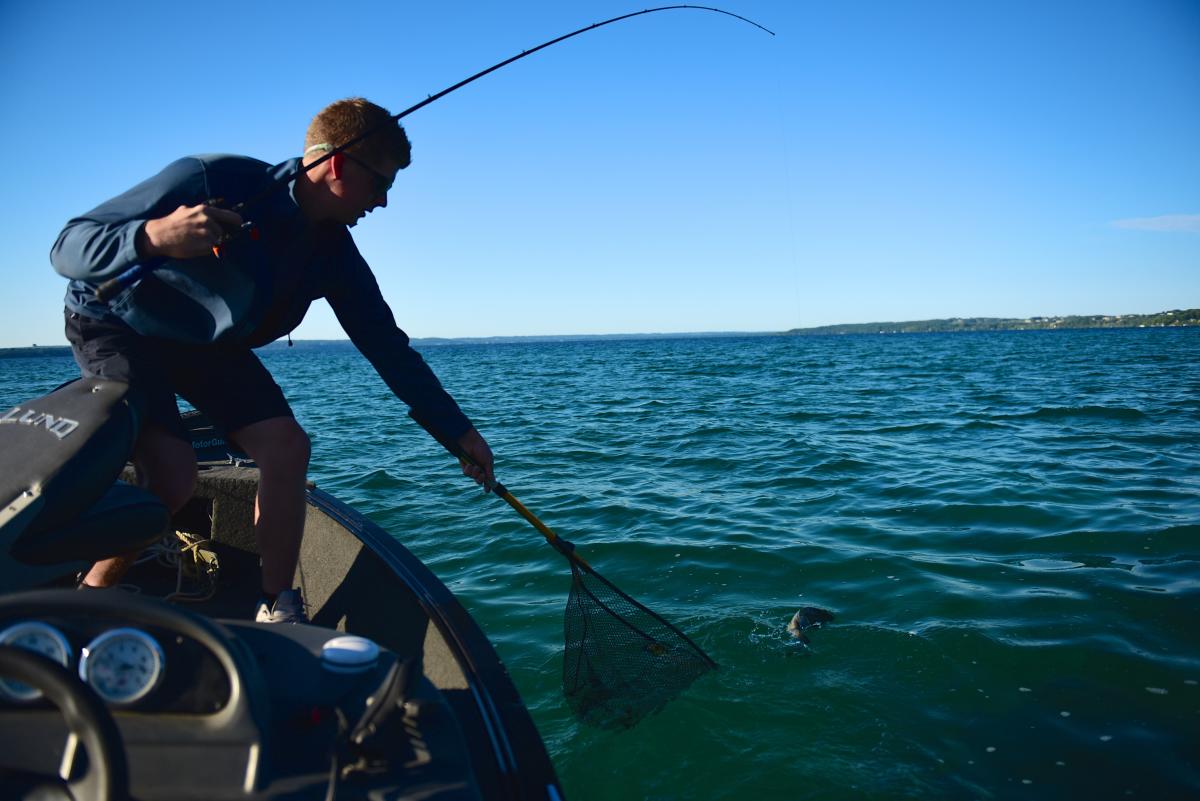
point(113, 286)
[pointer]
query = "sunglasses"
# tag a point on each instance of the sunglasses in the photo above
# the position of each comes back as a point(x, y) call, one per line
point(383, 183)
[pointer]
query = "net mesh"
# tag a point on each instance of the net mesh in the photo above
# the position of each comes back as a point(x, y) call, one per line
point(621, 661)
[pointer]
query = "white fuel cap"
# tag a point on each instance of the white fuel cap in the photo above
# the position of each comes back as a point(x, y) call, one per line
point(349, 654)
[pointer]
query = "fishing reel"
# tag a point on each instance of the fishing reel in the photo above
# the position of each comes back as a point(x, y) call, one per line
point(247, 228)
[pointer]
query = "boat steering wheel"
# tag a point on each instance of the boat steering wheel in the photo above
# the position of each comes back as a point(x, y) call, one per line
point(240, 723)
point(106, 777)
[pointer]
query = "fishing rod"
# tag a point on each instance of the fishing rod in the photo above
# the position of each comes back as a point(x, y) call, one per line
point(109, 289)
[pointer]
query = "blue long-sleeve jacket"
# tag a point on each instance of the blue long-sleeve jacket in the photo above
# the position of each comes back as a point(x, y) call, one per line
point(260, 288)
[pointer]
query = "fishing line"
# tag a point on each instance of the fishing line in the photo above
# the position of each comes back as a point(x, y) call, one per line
point(109, 289)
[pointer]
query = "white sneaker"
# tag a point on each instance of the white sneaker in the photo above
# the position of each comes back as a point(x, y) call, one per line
point(288, 608)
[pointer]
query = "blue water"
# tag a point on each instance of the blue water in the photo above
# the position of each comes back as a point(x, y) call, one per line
point(1006, 526)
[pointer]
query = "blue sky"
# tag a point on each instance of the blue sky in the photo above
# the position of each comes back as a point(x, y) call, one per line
point(676, 172)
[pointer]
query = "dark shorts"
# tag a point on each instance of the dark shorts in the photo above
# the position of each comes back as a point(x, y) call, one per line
point(226, 382)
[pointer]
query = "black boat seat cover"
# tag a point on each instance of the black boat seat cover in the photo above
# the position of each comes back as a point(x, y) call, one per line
point(125, 520)
point(60, 453)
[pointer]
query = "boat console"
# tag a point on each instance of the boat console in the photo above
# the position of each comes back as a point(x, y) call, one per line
point(222, 709)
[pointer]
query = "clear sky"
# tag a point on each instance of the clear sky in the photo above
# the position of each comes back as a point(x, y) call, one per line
point(680, 171)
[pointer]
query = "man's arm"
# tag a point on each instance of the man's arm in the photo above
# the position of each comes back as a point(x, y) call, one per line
point(368, 321)
point(159, 218)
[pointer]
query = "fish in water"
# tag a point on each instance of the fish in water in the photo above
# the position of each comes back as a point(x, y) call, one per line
point(807, 618)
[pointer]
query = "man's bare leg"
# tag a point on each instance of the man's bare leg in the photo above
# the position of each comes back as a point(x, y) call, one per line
point(166, 466)
point(281, 449)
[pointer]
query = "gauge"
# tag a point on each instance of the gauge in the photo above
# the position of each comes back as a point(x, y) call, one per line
point(41, 639)
point(122, 665)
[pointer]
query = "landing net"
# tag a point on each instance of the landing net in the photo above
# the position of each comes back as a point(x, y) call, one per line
point(621, 661)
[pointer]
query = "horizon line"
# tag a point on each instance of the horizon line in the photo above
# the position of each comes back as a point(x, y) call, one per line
point(680, 334)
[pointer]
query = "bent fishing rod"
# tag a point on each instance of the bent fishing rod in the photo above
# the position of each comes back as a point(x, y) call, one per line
point(109, 289)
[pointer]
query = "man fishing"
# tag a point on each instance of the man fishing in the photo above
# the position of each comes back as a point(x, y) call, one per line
point(222, 285)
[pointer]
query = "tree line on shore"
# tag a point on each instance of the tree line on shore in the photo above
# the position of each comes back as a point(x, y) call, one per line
point(1166, 319)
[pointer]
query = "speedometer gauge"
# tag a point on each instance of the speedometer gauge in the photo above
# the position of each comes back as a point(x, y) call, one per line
point(41, 639)
point(122, 665)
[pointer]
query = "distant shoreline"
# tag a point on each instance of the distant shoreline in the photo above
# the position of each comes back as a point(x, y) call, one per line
point(1179, 318)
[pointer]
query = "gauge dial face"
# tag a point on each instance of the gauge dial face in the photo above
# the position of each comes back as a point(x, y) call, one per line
point(40, 638)
point(122, 665)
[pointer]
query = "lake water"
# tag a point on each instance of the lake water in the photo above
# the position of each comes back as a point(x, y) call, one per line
point(1006, 527)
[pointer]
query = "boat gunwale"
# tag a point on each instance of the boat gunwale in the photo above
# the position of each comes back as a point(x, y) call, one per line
point(481, 665)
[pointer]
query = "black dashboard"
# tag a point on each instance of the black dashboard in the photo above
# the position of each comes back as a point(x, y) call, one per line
point(207, 709)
